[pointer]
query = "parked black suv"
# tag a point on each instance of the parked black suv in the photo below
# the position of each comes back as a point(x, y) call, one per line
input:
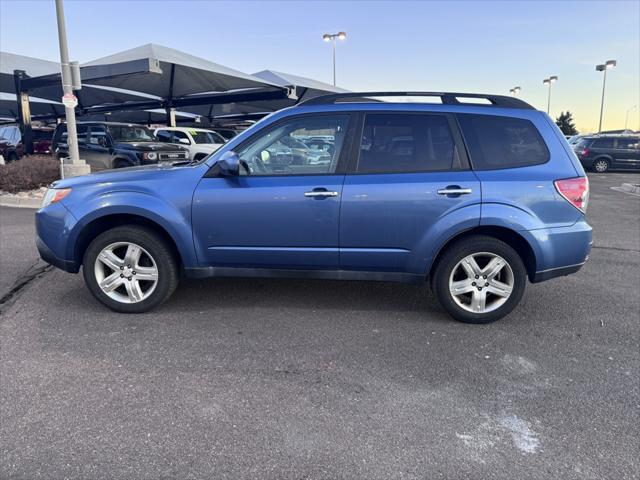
point(105, 145)
point(602, 152)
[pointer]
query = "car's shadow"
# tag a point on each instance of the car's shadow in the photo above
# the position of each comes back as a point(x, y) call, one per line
point(294, 293)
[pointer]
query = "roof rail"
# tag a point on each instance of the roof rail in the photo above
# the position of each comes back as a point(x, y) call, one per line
point(447, 98)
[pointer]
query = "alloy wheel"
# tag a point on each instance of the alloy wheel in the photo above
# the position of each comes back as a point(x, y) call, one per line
point(126, 272)
point(481, 282)
point(601, 166)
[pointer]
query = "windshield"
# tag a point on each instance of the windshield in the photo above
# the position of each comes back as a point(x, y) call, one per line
point(202, 136)
point(131, 133)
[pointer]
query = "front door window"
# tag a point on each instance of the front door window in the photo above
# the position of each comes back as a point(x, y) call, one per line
point(289, 148)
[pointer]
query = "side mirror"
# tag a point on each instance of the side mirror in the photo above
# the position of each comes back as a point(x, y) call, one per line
point(184, 141)
point(229, 164)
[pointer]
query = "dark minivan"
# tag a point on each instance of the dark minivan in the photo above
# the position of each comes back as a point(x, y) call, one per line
point(603, 152)
point(106, 145)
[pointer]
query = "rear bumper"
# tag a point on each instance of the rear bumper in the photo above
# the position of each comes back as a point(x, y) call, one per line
point(556, 272)
point(560, 251)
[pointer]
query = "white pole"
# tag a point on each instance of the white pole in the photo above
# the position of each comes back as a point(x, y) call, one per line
point(604, 84)
point(72, 136)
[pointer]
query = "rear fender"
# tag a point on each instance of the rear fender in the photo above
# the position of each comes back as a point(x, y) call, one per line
point(445, 228)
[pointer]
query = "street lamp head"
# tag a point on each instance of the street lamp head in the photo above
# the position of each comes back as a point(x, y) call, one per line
point(342, 35)
point(553, 78)
point(546, 81)
point(326, 37)
point(517, 89)
point(600, 68)
point(512, 91)
point(610, 64)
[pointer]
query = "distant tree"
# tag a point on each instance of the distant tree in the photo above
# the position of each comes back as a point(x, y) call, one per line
point(565, 123)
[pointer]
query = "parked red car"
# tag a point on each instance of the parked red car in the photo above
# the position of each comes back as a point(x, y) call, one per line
point(12, 145)
point(42, 137)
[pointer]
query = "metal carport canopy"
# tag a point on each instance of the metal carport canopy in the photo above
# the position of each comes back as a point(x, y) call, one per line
point(36, 68)
point(305, 88)
point(184, 75)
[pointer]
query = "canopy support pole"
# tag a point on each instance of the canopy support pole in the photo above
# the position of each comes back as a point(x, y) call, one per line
point(171, 117)
point(24, 113)
point(171, 112)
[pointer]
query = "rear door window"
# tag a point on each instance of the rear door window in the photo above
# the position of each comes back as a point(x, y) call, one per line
point(497, 142)
point(98, 136)
point(164, 136)
point(603, 143)
point(178, 135)
point(404, 143)
point(628, 143)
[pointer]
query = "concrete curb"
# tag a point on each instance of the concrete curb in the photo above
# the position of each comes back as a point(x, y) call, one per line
point(20, 202)
point(631, 188)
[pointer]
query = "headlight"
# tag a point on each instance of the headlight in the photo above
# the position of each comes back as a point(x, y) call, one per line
point(150, 156)
point(54, 195)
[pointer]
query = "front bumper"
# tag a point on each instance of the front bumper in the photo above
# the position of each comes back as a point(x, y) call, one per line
point(53, 226)
point(48, 256)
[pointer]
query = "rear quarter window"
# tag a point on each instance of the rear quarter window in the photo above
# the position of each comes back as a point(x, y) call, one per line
point(497, 142)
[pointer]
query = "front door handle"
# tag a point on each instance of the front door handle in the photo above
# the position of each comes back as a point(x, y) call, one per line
point(454, 191)
point(320, 194)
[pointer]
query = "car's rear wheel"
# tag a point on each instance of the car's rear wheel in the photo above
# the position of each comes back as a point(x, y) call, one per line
point(479, 279)
point(130, 269)
point(601, 165)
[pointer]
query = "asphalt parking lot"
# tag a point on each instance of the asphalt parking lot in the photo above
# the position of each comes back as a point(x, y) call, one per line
point(290, 379)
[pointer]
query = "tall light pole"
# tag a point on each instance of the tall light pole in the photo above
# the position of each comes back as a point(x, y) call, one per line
point(608, 65)
point(549, 81)
point(328, 37)
point(626, 117)
point(515, 91)
point(76, 166)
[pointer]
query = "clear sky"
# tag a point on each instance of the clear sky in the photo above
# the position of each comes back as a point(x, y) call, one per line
point(476, 46)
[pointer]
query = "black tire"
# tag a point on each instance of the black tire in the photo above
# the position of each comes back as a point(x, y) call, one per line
point(474, 245)
point(600, 165)
point(167, 268)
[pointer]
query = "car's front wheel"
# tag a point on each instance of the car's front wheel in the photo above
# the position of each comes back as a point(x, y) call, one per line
point(130, 269)
point(479, 279)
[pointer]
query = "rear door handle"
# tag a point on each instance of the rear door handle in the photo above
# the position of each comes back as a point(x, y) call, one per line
point(320, 194)
point(454, 191)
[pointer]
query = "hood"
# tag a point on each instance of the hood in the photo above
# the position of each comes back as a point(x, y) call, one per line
point(130, 175)
point(149, 147)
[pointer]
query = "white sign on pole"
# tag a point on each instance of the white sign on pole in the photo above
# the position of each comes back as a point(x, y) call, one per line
point(69, 100)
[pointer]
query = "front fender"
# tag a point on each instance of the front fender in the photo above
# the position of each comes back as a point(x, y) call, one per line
point(176, 222)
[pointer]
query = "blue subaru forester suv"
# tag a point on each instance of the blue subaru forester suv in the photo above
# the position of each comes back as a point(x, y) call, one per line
point(473, 193)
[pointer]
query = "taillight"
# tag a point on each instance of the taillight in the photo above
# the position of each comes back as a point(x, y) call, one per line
point(584, 152)
point(575, 191)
